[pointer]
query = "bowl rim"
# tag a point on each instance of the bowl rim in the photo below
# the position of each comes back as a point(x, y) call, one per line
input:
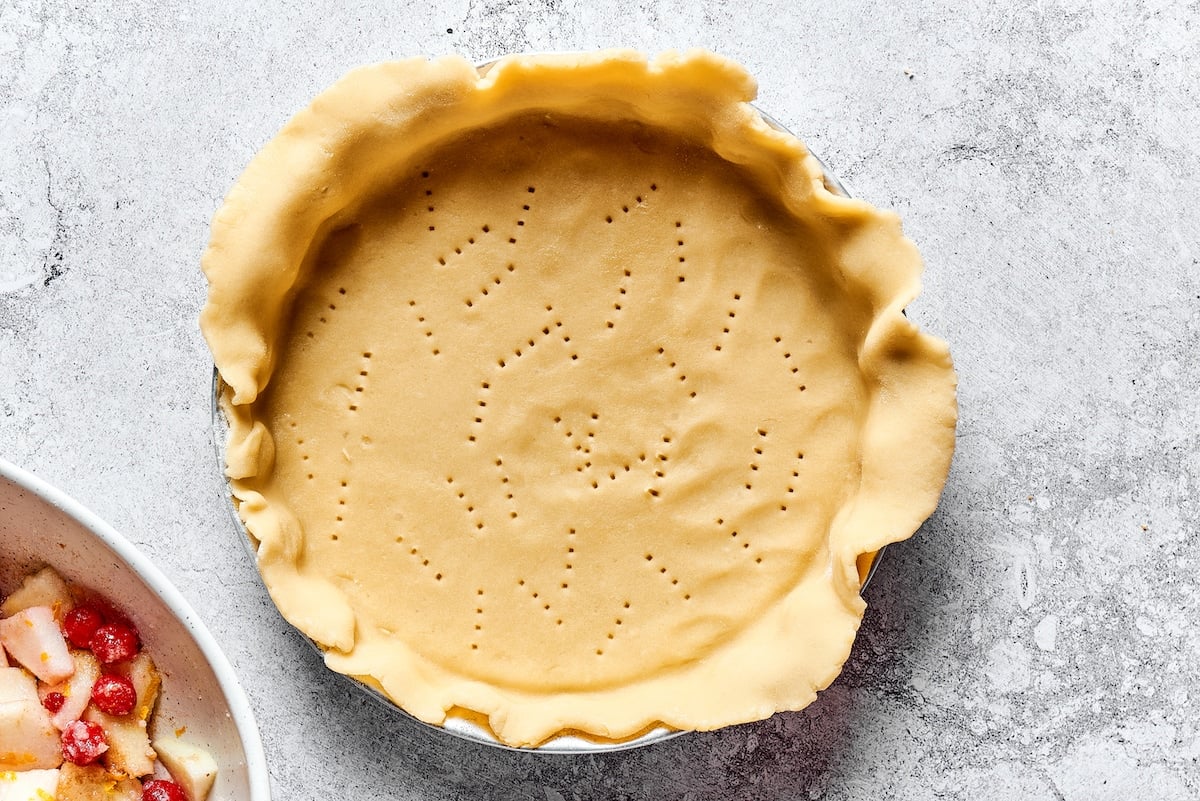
point(236, 700)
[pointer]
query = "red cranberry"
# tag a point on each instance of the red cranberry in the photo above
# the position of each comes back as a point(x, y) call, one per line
point(80, 624)
point(83, 742)
point(54, 702)
point(114, 642)
point(162, 790)
point(112, 614)
point(114, 694)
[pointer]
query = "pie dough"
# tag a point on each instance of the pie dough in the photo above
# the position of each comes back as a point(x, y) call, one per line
point(566, 394)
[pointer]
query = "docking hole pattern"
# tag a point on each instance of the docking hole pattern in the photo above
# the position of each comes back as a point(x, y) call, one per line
point(555, 416)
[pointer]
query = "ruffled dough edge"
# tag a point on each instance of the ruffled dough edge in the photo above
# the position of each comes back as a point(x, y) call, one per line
point(378, 116)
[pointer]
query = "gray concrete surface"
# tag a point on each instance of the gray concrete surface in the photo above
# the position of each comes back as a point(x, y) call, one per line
point(1036, 640)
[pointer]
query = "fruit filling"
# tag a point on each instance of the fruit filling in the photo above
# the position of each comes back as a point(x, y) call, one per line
point(77, 698)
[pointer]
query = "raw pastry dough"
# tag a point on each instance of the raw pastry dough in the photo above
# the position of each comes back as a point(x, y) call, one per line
point(567, 394)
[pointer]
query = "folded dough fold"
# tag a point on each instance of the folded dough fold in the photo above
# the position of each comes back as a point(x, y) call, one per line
point(564, 393)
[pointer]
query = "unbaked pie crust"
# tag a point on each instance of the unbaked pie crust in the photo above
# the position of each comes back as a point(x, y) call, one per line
point(567, 394)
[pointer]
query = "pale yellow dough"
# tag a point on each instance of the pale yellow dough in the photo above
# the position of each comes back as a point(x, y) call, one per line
point(567, 394)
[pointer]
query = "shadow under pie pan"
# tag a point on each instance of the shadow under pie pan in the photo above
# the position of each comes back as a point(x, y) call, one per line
point(566, 402)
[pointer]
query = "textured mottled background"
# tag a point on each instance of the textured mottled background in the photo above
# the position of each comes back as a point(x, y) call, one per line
point(1036, 640)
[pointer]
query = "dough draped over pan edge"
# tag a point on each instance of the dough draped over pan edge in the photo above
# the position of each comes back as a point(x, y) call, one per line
point(373, 123)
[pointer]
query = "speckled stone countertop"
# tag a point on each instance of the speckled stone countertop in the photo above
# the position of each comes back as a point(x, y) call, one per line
point(1037, 639)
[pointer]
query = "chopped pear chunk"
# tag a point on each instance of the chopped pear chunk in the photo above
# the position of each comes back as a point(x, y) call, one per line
point(129, 752)
point(192, 767)
point(29, 785)
point(146, 681)
point(94, 783)
point(28, 740)
point(43, 588)
point(76, 691)
point(32, 637)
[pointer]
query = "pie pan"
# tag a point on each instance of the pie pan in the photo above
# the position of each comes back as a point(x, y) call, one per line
point(564, 391)
point(40, 525)
point(471, 727)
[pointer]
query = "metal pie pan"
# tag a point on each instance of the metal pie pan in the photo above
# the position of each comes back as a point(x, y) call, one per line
point(463, 727)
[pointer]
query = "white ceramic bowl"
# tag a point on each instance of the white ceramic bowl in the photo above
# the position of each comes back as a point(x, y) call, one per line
point(39, 525)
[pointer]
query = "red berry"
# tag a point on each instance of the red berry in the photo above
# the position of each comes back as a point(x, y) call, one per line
point(114, 694)
point(83, 742)
point(162, 790)
point(114, 642)
point(112, 614)
point(54, 702)
point(80, 624)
